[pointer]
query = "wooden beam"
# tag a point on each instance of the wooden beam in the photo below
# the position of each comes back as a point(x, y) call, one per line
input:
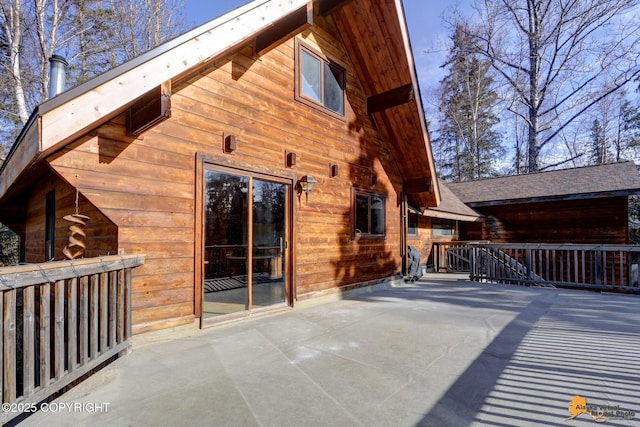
point(391, 98)
point(420, 185)
point(293, 23)
point(327, 7)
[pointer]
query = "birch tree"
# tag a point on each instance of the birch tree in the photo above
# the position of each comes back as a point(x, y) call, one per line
point(88, 33)
point(554, 55)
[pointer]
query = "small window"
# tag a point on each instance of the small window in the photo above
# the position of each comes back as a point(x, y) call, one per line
point(319, 82)
point(442, 229)
point(369, 218)
point(413, 224)
point(50, 226)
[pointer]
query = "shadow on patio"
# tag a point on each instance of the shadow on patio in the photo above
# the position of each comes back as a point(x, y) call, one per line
point(441, 352)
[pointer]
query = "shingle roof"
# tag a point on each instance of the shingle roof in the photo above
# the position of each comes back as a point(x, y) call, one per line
point(451, 206)
point(589, 181)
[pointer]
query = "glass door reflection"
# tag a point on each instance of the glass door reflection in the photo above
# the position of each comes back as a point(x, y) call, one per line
point(225, 243)
point(268, 243)
point(245, 243)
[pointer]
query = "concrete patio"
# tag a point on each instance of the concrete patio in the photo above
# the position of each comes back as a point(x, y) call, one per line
point(440, 352)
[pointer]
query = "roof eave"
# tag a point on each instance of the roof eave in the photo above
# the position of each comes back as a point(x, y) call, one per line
point(555, 198)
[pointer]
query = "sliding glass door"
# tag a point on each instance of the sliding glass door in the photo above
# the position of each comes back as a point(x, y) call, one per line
point(245, 242)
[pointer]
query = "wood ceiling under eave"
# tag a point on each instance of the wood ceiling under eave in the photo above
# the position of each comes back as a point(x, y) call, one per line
point(374, 38)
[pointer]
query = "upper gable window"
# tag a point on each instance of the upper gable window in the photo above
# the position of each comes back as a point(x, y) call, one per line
point(319, 82)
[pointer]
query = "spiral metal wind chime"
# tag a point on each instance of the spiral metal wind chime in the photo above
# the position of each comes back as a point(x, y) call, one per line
point(76, 246)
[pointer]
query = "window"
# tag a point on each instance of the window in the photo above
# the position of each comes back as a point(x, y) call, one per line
point(442, 229)
point(368, 211)
point(413, 224)
point(50, 226)
point(319, 83)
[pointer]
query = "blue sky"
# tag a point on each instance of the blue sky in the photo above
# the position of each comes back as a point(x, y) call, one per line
point(427, 30)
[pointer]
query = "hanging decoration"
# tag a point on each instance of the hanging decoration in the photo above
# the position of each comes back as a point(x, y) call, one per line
point(76, 246)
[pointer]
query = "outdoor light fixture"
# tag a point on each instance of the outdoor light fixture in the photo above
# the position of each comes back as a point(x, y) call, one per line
point(306, 184)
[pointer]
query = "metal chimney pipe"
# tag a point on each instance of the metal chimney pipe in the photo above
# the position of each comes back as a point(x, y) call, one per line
point(57, 75)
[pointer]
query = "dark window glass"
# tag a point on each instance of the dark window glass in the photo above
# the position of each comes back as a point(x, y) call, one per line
point(369, 215)
point(413, 224)
point(377, 215)
point(50, 226)
point(333, 89)
point(362, 214)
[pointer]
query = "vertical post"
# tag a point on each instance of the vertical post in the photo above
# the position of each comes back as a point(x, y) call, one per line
point(104, 313)
point(58, 339)
point(127, 296)
point(9, 355)
point(84, 319)
point(45, 334)
point(72, 325)
point(94, 306)
point(120, 323)
point(113, 285)
point(472, 263)
point(28, 340)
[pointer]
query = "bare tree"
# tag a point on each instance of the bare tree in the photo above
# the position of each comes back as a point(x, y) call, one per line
point(145, 24)
point(11, 18)
point(555, 54)
point(86, 32)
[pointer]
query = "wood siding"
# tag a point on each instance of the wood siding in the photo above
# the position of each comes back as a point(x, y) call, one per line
point(146, 185)
point(601, 221)
point(100, 232)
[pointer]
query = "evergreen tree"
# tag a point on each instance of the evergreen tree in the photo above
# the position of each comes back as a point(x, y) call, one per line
point(598, 148)
point(470, 146)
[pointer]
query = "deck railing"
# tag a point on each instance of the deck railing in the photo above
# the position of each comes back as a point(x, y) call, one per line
point(452, 257)
point(60, 320)
point(601, 267)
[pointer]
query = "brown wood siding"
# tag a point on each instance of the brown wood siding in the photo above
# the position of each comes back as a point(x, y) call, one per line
point(422, 241)
point(599, 221)
point(146, 186)
point(100, 232)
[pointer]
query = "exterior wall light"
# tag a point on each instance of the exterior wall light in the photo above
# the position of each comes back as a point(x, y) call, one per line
point(306, 184)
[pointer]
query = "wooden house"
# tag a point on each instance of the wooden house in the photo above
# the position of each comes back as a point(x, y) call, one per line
point(586, 205)
point(265, 157)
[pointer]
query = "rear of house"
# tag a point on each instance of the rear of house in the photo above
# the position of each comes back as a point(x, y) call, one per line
point(266, 157)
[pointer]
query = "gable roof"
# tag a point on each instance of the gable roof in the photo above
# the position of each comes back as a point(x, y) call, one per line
point(613, 179)
point(374, 33)
point(451, 207)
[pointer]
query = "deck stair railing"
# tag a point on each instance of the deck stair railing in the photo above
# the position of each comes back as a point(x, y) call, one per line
point(598, 267)
point(504, 268)
point(61, 320)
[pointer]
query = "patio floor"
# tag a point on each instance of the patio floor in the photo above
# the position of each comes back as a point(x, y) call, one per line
point(440, 352)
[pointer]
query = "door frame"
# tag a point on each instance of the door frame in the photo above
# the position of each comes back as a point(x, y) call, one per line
point(208, 161)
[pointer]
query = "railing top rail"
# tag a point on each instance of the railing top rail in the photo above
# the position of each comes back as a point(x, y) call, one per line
point(48, 272)
point(559, 246)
